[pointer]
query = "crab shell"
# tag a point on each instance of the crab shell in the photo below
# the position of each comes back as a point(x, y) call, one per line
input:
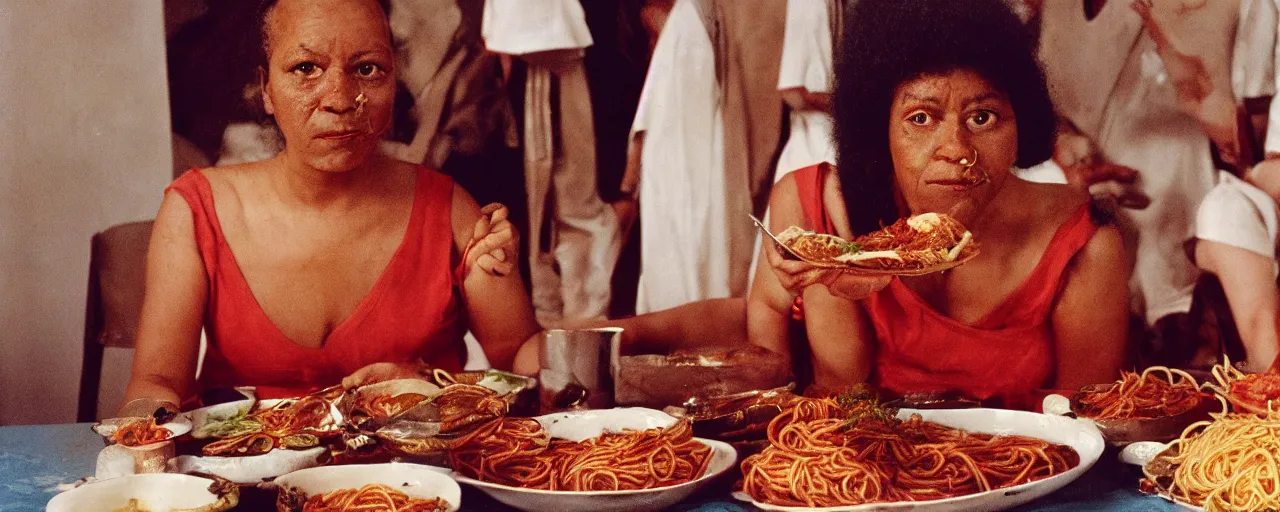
point(356, 404)
point(465, 405)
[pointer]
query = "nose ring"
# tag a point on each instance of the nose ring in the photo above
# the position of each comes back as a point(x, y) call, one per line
point(970, 162)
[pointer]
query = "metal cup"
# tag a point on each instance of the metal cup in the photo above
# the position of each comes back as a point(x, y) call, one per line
point(577, 368)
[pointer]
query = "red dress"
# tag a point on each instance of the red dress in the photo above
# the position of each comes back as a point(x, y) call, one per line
point(413, 311)
point(1007, 355)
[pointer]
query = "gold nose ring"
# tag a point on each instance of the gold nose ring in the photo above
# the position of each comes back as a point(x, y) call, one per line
point(970, 162)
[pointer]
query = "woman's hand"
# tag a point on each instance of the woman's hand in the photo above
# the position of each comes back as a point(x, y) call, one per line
point(494, 243)
point(795, 276)
point(381, 372)
point(149, 408)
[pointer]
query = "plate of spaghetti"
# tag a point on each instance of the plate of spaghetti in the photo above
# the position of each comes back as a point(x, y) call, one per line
point(1225, 464)
point(611, 460)
point(922, 244)
point(1155, 405)
point(141, 433)
point(393, 487)
point(830, 455)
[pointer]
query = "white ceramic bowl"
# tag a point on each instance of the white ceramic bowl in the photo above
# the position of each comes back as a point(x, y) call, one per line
point(415, 480)
point(1080, 435)
point(723, 458)
point(157, 492)
point(253, 469)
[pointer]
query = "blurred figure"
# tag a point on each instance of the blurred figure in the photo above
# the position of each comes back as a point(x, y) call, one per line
point(573, 234)
point(1122, 112)
point(804, 81)
point(677, 159)
point(749, 53)
point(616, 64)
point(702, 148)
point(1236, 229)
point(1236, 225)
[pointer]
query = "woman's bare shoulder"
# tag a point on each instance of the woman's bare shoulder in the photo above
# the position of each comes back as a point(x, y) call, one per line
point(233, 179)
point(784, 203)
point(1054, 204)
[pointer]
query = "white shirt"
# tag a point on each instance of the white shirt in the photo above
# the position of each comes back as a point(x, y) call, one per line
point(806, 47)
point(519, 27)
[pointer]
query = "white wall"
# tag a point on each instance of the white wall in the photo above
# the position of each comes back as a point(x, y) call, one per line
point(84, 144)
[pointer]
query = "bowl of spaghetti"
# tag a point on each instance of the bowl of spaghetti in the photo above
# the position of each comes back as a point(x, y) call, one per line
point(393, 487)
point(629, 459)
point(1155, 405)
point(1225, 464)
point(826, 455)
point(156, 492)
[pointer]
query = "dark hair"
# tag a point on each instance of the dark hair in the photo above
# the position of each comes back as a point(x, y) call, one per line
point(264, 9)
point(888, 42)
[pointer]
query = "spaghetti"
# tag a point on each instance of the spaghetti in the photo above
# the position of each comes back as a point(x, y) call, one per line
point(1230, 463)
point(372, 498)
point(911, 244)
point(289, 424)
point(818, 456)
point(517, 452)
point(140, 433)
point(1257, 393)
point(386, 406)
point(1143, 396)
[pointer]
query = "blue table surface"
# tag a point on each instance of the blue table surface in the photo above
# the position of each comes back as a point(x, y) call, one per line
point(35, 460)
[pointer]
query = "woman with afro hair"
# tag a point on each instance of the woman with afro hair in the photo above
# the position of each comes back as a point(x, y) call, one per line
point(926, 90)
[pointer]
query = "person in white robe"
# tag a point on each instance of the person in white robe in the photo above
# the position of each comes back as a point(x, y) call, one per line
point(1109, 82)
point(570, 277)
point(677, 139)
point(804, 80)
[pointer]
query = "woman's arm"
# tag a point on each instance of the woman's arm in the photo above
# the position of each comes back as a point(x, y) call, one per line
point(706, 323)
point(1091, 316)
point(500, 313)
point(768, 301)
point(1248, 281)
point(838, 339)
point(164, 362)
point(799, 98)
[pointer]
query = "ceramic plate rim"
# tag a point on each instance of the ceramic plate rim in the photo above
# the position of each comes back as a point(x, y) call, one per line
point(716, 446)
point(140, 476)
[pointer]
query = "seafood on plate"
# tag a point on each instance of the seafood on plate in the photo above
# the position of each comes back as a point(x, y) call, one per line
point(925, 243)
point(1257, 393)
point(299, 423)
point(140, 432)
point(419, 417)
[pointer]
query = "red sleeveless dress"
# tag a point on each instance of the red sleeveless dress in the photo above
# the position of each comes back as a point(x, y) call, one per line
point(1008, 355)
point(413, 311)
